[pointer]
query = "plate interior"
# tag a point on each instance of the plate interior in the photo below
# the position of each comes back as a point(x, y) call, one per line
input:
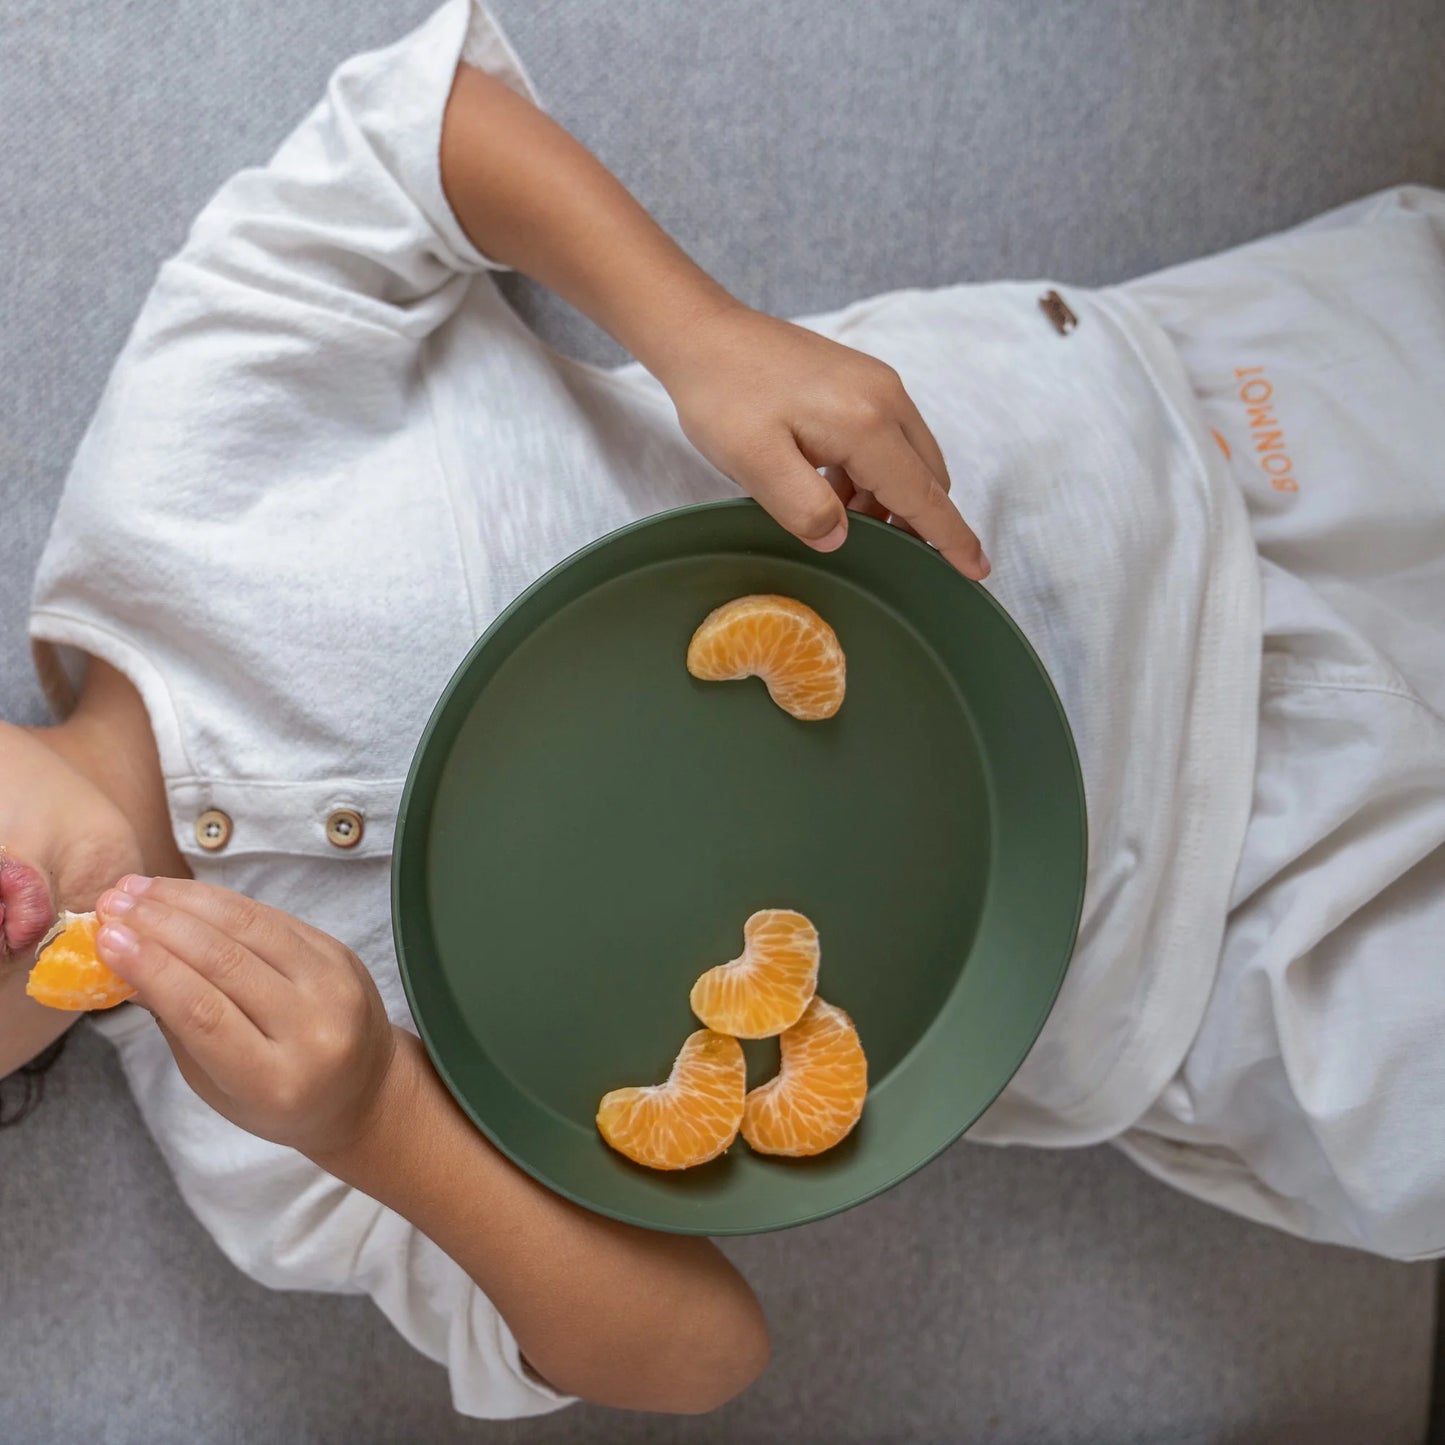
point(588, 827)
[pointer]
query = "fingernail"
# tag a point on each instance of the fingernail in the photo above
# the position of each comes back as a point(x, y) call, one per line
point(984, 565)
point(833, 540)
point(116, 940)
point(114, 902)
point(136, 883)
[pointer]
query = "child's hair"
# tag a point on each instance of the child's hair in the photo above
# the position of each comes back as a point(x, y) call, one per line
point(26, 1085)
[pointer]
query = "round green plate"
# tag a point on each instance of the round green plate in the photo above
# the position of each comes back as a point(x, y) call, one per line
point(586, 828)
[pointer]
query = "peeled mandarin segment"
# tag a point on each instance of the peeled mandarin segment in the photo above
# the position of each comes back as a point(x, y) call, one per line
point(780, 640)
point(67, 973)
point(691, 1118)
point(766, 989)
point(818, 1093)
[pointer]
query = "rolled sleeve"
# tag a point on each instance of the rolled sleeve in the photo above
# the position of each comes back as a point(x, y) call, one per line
point(289, 1225)
point(349, 215)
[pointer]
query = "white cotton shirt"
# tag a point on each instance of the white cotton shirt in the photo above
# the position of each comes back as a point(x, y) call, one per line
point(1312, 1094)
point(330, 454)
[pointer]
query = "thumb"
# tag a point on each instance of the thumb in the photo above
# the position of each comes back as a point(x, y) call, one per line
point(798, 497)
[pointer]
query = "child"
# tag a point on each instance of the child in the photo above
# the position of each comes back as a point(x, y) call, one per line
point(330, 454)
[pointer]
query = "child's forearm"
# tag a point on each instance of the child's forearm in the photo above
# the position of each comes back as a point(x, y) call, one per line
point(533, 198)
point(281, 1029)
point(614, 1314)
point(766, 403)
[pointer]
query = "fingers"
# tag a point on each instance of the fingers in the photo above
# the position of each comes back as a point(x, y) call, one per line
point(198, 1015)
point(841, 483)
point(275, 937)
point(922, 440)
point(253, 985)
point(796, 496)
point(854, 498)
point(886, 464)
point(868, 504)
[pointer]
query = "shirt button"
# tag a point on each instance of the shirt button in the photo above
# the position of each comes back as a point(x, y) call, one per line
point(344, 828)
point(213, 830)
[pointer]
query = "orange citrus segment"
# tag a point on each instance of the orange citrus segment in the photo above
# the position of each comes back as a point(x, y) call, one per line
point(817, 1096)
point(691, 1118)
point(68, 975)
point(782, 641)
point(766, 989)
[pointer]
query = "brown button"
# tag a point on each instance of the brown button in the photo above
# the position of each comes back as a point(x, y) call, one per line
point(344, 828)
point(213, 830)
point(1059, 313)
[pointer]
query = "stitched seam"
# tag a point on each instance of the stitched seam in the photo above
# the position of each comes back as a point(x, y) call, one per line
point(448, 483)
point(132, 649)
point(1274, 682)
point(234, 783)
point(1190, 844)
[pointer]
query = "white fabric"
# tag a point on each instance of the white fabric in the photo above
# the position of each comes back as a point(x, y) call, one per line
point(255, 524)
point(1122, 550)
point(340, 462)
point(330, 454)
point(1313, 1095)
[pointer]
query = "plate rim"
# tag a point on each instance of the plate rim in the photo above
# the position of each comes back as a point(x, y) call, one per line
point(409, 801)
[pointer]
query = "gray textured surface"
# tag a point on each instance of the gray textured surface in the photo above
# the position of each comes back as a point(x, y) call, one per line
point(1000, 1296)
point(931, 141)
point(807, 153)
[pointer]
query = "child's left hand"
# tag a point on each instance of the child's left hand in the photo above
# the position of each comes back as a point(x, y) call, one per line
point(768, 403)
point(276, 1025)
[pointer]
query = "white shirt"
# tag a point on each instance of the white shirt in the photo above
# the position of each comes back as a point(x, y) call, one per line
point(330, 454)
point(1312, 1094)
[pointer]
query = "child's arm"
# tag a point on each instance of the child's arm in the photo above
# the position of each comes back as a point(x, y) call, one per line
point(617, 1315)
point(280, 1029)
point(766, 402)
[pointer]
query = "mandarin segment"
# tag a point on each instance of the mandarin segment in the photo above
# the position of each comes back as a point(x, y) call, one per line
point(67, 973)
point(780, 640)
point(766, 988)
point(817, 1095)
point(691, 1118)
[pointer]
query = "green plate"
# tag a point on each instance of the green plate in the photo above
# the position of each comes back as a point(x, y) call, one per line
point(586, 827)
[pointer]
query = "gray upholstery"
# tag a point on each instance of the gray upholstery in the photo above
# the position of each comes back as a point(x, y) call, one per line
point(998, 1297)
point(807, 152)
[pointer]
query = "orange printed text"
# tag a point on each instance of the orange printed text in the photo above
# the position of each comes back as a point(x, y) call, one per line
point(1257, 394)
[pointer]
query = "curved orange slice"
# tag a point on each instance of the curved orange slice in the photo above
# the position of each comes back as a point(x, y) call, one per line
point(765, 989)
point(691, 1118)
point(779, 640)
point(67, 973)
point(817, 1096)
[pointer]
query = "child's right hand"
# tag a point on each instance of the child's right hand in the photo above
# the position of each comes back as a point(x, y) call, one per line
point(273, 1023)
point(279, 1028)
point(768, 403)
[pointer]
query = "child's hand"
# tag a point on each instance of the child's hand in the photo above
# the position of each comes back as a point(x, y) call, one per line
point(768, 403)
point(274, 1024)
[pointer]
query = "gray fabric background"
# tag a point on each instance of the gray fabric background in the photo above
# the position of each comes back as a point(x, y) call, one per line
point(807, 153)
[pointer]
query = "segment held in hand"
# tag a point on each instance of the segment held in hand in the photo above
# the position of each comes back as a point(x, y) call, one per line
point(274, 1024)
